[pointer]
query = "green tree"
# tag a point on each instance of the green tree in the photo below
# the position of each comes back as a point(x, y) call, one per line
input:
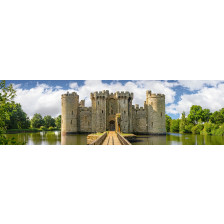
point(49, 121)
point(196, 113)
point(37, 121)
point(7, 94)
point(174, 127)
point(58, 122)
point(168, 120)
point(18, 118)
point(182, 123)
point(206, 114)
point(217, 117)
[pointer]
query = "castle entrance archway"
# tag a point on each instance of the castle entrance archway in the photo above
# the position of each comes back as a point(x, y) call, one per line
point(112, 125)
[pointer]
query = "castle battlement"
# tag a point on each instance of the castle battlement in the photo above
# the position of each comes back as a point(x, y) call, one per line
point(69, 94)
point(153, 95)
point(85, 108)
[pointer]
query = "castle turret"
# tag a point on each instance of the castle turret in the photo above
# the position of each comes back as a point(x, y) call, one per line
point(99, 110)
point(156, 120)
point(69, 113)
point(124, 101)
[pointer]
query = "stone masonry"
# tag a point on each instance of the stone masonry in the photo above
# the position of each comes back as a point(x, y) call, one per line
point(113, 111)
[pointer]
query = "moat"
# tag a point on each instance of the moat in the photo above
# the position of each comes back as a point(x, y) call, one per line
point(54, 138)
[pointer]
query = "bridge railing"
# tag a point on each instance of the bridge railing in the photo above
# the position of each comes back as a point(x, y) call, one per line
point(100, 140)
point(122, 139)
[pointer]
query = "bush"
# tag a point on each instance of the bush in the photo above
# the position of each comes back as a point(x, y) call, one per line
point(51, 128)
point(42, 128)
point(208, 127)
point(218, 131)
point(197, 129)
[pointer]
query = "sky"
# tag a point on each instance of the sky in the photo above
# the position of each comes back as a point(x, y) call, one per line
point(44, 96)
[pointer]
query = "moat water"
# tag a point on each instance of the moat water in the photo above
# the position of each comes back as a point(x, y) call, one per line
point(55, 138)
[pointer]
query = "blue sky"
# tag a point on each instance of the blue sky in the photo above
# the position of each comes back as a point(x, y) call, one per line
point(43, 96)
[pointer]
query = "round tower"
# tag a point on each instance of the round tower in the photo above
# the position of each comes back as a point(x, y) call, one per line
point(156, 119)
point(69, 113)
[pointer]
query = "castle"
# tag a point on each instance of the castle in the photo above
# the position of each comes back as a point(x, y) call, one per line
point(113, 111)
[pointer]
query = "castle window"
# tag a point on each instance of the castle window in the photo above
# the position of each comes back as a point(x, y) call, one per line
point(124, 112)
point(124, 101)
point(71, 121)
point(72, 112)
point(161, 114)
point(98, 102)
point(112, 112)
point(152, 124)
point(102, 111)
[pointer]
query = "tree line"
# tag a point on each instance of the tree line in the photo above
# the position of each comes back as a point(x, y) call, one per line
point(12, 116)
point(199, 121)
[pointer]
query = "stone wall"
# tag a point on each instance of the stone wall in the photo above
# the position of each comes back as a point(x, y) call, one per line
point(85, 119)
point(139, 120)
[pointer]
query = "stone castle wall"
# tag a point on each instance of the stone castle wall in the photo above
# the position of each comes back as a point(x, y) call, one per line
point(150, 119)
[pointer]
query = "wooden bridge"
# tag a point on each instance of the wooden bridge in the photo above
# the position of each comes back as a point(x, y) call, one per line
point(111, 138)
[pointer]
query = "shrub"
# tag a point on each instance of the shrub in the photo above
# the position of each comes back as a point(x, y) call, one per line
point(51, 128)
point(197, 129)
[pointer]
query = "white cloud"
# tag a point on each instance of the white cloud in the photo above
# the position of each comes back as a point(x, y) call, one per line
point(210, 98)
point(73, 85)
point(46, 100)
point(198, 84)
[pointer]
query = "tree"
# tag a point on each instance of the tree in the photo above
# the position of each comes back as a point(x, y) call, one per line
point(7, 94)
point(174, 127)
point(217, 117)
point(58, 122)
point(206, 114)
point(182, 123)
point(195, 114)
point(37, 121)
point(49, 121)
point(168, 120)
point(18, 118)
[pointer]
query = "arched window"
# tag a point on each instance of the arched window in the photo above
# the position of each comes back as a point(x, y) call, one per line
point(98, 102)
point(71, 121)
point(72, 112)
point(152, 124)
point(102, 111)
point(124, 112)
point(161, 114)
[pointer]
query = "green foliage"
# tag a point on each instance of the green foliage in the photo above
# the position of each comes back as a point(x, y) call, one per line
point(208, 126)
point(206, 114)
point(58, 122)
point(37, 121)
point(168, 120)
point(217, 117)
point(49, 121)
point(51, 128)
point(18, 118)
point(7, 94)
point(197, 128)
point(174, 126)
point(196, 114)
point(218, 131)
